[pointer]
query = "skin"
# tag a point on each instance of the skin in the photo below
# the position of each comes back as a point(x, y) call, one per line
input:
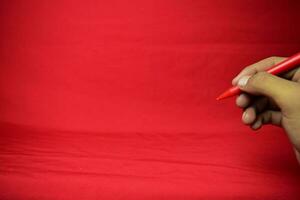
point(269, 99)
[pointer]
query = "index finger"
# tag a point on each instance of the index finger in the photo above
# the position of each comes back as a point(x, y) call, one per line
point(262, 65)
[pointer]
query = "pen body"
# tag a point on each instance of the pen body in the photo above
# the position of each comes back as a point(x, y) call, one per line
point(279, 68)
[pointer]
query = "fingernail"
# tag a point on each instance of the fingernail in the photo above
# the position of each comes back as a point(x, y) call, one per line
point(243, 81)
point(245, 115)
point(234, 81)
point(256, 125)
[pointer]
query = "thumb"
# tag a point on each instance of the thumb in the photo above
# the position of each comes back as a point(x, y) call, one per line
point(263, 83)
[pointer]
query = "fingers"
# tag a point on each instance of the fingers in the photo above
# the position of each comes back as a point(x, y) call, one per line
point(243, 100)
point(262, 65)
point(276, 88)
point(258, 106)
point(267, 117)
point(249, 116)
point(293, 75)
point(290, 74)
point(266, 98)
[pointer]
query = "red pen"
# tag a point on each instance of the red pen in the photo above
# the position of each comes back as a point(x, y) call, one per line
point(286, 65)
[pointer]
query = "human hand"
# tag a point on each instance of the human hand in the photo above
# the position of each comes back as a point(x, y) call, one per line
point(269, 99)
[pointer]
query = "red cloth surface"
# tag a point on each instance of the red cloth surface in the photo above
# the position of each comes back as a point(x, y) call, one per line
point(116, 100)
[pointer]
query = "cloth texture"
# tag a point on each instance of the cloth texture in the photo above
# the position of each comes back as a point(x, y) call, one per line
point(116, 100)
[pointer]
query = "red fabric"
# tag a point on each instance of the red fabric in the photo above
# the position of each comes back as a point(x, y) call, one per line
point(116, 100)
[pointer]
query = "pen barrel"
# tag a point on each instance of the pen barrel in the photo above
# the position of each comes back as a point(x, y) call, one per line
point(235, 91)
point(285, 65)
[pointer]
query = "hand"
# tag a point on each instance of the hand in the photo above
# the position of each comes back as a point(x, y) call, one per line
point(269, 99)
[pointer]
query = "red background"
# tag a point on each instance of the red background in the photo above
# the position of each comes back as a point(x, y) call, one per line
point(116, 100)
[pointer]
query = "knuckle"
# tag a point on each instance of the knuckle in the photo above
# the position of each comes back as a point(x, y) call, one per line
point(272, 58)
point(275, 59)
point(258, 78)
point(246, 69)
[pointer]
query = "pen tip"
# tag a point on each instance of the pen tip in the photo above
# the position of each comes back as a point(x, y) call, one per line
point(229, 93)
point(222, 96)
